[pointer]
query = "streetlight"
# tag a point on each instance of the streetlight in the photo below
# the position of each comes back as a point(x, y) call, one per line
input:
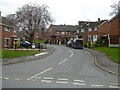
point(88, 36)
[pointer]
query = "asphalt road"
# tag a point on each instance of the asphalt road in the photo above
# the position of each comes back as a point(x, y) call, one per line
point(66, 68)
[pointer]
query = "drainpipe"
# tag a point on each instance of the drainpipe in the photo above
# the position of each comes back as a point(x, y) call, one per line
point(109, 32)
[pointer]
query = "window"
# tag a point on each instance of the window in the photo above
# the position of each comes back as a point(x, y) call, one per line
point(14, 30)
point(7, 29)
point(77, 31)
point(89, 37)
point(95, 38)
point(6, 42)
point(63, 32)
point(95, 28)
point(82, 30)
point(57, 32)
point(90, 29)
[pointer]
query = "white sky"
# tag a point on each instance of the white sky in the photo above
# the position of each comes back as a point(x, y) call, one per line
point(67, 12)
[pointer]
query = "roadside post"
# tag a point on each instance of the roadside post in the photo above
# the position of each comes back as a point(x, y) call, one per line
point(33, 47)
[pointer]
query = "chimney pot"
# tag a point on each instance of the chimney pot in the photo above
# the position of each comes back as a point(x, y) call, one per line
point(98, 19)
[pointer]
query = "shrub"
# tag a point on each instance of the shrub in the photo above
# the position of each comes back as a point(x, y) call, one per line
point(85, 45)
point(17, 44)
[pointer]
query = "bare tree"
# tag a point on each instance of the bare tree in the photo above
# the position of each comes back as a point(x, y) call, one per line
point(31, 18)
point(116, 8)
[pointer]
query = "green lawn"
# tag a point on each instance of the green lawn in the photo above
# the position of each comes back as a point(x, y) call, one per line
point(11, 54)
point(111, 52)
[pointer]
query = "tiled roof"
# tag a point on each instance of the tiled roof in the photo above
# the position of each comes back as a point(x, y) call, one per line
point(87, 24)
point(5, 21)
point(64, 28)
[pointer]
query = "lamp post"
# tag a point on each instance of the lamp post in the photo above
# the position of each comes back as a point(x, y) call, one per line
point(88, 36)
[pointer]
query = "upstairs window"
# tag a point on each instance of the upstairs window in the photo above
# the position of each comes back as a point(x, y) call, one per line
point(7, 29)
point(77, 31)
point(82, 30)
point(63, 32)
point(14, 30)
point(57, 32)
point(95, 28)
point(89, 37)
point(90, 29)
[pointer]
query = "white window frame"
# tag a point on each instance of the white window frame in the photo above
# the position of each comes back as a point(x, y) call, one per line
point(57, 32)
point(14, 30)
point(82, 30)
point(7, 28)
point(95, 38)
point(89, 37)
point(95, 28)
point(8, 42)
point(90, 29)
point(63, 33)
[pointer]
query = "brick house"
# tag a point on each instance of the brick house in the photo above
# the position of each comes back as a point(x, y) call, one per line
point(90, 30)
point(8, 33)
point(60, 34)
point(114, 31)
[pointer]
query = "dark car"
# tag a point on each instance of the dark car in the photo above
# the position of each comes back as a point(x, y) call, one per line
point(24, 44)
point(69, 43)
point(77, 43)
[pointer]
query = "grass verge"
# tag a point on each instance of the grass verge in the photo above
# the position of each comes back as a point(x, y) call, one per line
point(111, 52)
point(12, 54)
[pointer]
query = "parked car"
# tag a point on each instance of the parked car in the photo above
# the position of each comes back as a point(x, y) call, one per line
point(77, 43)
point(69, 43)
point(24, 44)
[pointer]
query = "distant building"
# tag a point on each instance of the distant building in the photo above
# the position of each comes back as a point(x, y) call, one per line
point(8, 33)
point(60, 34)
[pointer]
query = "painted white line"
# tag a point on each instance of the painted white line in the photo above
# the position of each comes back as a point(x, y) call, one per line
point(6, 78)
point(41, 54)
point(61, 82)
point(79, 83)
point(62, 79)
point(46, 81)
point(71, 55)
point(114, 87)
point(39, 73)
point(94, 85)
point(37, 77)
point(63, 61)
point(48, 78)
point(17, 79)
point(72, 52)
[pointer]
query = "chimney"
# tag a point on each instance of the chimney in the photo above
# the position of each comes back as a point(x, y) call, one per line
point(98, 19)
point(0, 13)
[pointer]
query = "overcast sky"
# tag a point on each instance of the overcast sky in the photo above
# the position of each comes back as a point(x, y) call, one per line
point(67, 12)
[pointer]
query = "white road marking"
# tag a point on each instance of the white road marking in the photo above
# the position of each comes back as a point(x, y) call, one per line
point(114, 87)
point(46, 81)
point(71, 55)
point(63, 61)
point(72, 52)
point(94, 85)
point(41, 54)
point(62, 79)
point(6, 78)
point(79, 83)
point(17, 79)
point(48, 78)
point(37, 77)
point(61, 82)
point(40, 73)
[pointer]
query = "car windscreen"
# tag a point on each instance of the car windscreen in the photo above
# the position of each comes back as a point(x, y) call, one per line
point(79, 41)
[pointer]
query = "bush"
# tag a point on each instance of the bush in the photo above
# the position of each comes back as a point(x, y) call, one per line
point(17, 44)
point(85, 45)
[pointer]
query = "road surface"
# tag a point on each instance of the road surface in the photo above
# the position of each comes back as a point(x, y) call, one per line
point(66, 68)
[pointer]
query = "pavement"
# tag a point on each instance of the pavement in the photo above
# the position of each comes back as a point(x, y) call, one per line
point(103, 61)
point(46, 52)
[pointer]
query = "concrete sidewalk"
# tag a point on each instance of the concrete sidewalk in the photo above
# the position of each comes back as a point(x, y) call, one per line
point(103, 62)
point(50, 50)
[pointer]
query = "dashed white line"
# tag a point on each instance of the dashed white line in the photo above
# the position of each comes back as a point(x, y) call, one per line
point(39, 73)
point(62, 79)
point(114, 87)
point(94, 85)
point(37, 77)
point(6, 78)
point(79, 83)
point(61, 82)
point(71, 55)
point(63, 61)
point(72, 52)
point(48, 78)
point(46, 81)
point(17, 79)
